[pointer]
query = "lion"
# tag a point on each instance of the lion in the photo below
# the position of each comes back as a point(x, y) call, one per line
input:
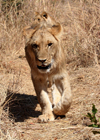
point(46, 58)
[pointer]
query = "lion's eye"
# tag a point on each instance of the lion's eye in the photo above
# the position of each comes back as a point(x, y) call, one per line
point(34, 46)
point(50, 44)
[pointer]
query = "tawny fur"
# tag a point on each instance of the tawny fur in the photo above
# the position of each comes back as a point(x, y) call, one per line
point(46, 59)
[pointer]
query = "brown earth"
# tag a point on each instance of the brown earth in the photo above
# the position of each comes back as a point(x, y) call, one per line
point(22, 109)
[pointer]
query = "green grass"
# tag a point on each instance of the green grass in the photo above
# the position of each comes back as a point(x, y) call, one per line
point(92, 116)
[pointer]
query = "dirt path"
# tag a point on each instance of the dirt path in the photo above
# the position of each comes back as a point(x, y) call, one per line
point(23, 108)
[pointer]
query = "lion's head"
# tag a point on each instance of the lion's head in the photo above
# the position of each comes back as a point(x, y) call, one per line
point(43, 49)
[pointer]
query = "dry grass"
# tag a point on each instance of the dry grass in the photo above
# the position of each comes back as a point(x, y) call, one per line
point(81, 40)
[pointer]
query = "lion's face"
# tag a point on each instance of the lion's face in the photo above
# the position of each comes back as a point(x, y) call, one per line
point(44, 46)
point(42, 41)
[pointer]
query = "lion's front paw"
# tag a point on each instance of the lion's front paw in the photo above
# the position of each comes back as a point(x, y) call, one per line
point(46, 118)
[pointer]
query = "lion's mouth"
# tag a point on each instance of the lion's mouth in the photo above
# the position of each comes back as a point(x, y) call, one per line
point(43, 67)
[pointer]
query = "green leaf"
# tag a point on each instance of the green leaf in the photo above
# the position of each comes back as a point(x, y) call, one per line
point(93, 125)
point(89, 115)
point(94, 110)
point(93, 118)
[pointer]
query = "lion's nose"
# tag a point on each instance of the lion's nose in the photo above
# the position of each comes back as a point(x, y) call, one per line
point(42, 60)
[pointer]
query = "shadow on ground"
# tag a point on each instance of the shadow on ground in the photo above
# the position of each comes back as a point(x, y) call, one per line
point(20, 106)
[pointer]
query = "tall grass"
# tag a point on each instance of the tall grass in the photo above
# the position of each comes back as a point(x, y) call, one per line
point(80, 19)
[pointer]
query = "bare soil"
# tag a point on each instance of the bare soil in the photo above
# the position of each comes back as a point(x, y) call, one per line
point(20, 109)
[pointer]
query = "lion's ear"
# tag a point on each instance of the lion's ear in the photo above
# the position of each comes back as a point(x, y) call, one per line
point(44, 15)
point(49, 20)
point(28, 32)
point(56, 30)
point(54, 27)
